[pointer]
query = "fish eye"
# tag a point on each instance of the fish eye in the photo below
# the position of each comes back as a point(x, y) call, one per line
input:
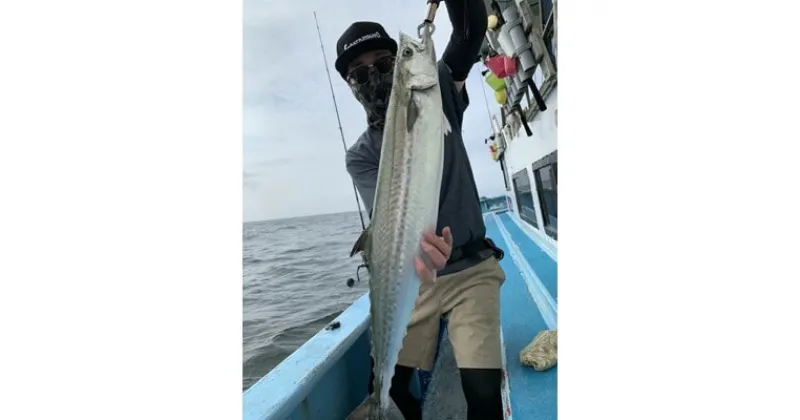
point(407, 52)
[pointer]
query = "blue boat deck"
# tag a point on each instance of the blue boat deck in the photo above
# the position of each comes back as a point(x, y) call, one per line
point(302, 386)
point(527, 300)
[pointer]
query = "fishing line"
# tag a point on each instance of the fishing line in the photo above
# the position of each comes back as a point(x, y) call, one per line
point(488, 112)
point(338, 119)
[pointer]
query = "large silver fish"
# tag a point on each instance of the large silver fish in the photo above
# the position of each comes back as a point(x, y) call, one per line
point(406, 205)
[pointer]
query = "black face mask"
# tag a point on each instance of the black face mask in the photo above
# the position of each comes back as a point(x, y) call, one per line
point(373, 94)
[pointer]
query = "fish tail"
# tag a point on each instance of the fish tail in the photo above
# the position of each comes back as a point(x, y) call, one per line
point(370, 409)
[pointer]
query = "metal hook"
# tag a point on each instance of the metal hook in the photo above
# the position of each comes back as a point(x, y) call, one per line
point(433, 6)
point(425, 25)
point(350, 281)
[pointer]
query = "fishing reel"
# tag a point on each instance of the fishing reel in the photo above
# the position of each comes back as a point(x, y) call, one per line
point(351, 282)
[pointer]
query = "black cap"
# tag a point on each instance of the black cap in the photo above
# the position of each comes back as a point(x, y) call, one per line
point(359, 38)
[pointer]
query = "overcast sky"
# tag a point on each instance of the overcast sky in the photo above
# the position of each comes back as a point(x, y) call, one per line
point(293, 155)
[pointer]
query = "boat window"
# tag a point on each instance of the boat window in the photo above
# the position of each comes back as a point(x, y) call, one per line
point(522, 190)
point(545, 172)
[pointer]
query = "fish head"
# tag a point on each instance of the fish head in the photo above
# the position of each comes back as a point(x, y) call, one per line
point(416, 63)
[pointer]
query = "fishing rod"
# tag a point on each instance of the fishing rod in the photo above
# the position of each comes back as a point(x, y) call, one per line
point(338, 119)
point(486, 100)
point(350, 281)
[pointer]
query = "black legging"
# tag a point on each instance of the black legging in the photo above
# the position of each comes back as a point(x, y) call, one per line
point(481, 390)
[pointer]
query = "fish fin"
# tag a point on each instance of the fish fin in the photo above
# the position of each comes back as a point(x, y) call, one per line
point(412, 113)
point(361, 242)
point(445, 124)
point(367, 410)
point(370, 410)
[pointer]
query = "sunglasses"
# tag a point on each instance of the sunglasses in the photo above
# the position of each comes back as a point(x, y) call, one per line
point(360, 74)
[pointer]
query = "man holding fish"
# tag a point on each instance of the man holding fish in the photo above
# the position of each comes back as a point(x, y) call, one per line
point(425, 248)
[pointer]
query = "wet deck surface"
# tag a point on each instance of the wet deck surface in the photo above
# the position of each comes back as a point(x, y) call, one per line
point(546, 269)
point(533, 395)
point(445, 399)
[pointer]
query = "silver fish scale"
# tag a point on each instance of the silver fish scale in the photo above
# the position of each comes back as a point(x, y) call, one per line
point(406, 204)
point(395, 242)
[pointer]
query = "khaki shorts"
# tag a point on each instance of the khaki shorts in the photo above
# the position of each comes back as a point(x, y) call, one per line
point(471, 301)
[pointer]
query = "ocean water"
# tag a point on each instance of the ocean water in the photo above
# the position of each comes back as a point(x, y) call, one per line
point(295, 273)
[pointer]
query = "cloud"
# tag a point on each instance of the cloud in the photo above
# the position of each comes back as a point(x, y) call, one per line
point(293, 155)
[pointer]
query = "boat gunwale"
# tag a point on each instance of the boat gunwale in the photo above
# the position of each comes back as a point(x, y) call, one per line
point(283, 389)
point(550, 247)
